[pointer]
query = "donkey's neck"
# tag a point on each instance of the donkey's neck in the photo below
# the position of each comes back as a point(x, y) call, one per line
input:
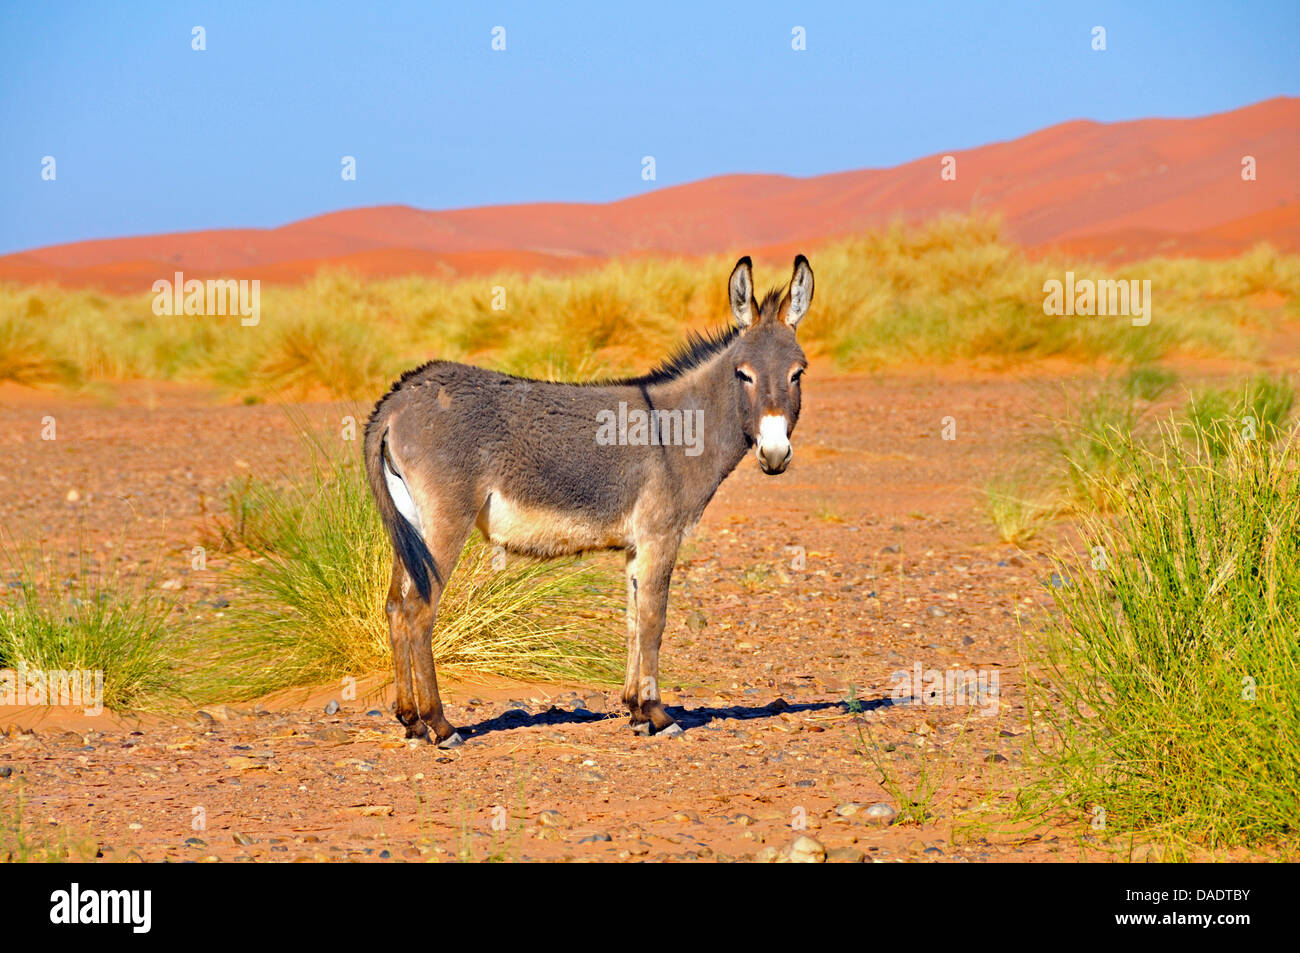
point(709, 388)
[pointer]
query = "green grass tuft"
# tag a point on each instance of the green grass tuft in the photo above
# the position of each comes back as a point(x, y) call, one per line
point(1257, 409)
point(83, 620)
point(1018, 509)
point(1168, 686)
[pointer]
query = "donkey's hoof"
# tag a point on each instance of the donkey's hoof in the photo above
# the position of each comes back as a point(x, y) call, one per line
point(641, 727)
point(672, 731)
point(453, 741)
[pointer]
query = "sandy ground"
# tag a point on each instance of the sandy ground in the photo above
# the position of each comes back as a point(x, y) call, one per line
point(902, 569)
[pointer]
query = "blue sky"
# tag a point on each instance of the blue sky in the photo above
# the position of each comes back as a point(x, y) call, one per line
point(149, 135)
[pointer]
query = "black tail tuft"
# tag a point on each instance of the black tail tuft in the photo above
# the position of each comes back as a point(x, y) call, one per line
point(407, 542)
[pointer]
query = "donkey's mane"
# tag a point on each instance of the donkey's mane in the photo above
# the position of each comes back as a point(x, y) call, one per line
point(699, 349)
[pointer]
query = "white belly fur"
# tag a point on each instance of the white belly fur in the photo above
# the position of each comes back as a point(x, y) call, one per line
point(540, 531)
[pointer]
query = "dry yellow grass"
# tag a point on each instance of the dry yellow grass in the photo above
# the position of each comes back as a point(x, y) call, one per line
point(950, 291)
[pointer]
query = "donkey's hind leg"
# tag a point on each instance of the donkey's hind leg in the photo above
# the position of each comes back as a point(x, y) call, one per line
point(445, 549)
point(400, 639)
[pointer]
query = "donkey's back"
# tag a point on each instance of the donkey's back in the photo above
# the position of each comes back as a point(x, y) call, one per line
point(520, 456)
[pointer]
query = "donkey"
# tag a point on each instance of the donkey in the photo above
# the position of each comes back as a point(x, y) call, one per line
point(548, 469)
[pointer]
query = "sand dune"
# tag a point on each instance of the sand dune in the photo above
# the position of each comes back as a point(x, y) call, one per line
point(1118, 190)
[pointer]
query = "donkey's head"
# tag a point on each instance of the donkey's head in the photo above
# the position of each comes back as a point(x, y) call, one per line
point(769, 361)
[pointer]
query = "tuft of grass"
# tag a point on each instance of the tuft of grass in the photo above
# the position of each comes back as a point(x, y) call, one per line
point(83, 620)
point(1168, 684)
point(1087, 442)
point(315, 578)
point(241, 523)
point(915, 804)
point(1148, 382)
point(826, 511)
point(1257, 409)
point(1017, 509)
point(754, 577)
point(24, 357)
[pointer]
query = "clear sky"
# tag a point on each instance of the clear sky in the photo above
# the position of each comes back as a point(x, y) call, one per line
point(149, 135)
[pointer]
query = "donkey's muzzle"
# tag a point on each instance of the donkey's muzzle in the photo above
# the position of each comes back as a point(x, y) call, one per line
point(773, 449)
point(774, 460)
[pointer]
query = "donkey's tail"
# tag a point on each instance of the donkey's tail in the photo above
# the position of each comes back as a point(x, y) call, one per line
point(398, 511)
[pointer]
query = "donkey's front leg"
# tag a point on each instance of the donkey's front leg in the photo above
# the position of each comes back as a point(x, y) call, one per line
point(632, 678)
point(649, 576)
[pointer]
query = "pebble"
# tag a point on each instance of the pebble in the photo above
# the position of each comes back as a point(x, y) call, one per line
point(880, 813)
point(849, 809)
point(845, 855)
point(805, 850)
point(335, 735)
point(332, 708)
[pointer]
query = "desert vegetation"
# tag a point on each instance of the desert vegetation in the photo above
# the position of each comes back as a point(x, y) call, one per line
point(952, 291)
point(1163, 682)
point(314, 564)
point(1167, 689)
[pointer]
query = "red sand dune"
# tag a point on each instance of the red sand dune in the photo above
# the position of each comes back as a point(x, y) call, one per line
point(1122, 190)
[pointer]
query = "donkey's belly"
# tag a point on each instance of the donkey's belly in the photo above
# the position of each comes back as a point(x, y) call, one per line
point(542, 531)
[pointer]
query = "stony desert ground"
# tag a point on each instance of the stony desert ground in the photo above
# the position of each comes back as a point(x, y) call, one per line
point(900, 567)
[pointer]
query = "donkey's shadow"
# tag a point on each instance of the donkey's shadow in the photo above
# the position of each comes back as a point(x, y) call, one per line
point(688, 718)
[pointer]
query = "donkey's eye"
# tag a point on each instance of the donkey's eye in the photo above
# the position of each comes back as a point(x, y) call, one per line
point(798, 373)
point(743, 376)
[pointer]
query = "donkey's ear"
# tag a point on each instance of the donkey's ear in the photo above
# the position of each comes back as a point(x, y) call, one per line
point(799, 295)
point(741, 291)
